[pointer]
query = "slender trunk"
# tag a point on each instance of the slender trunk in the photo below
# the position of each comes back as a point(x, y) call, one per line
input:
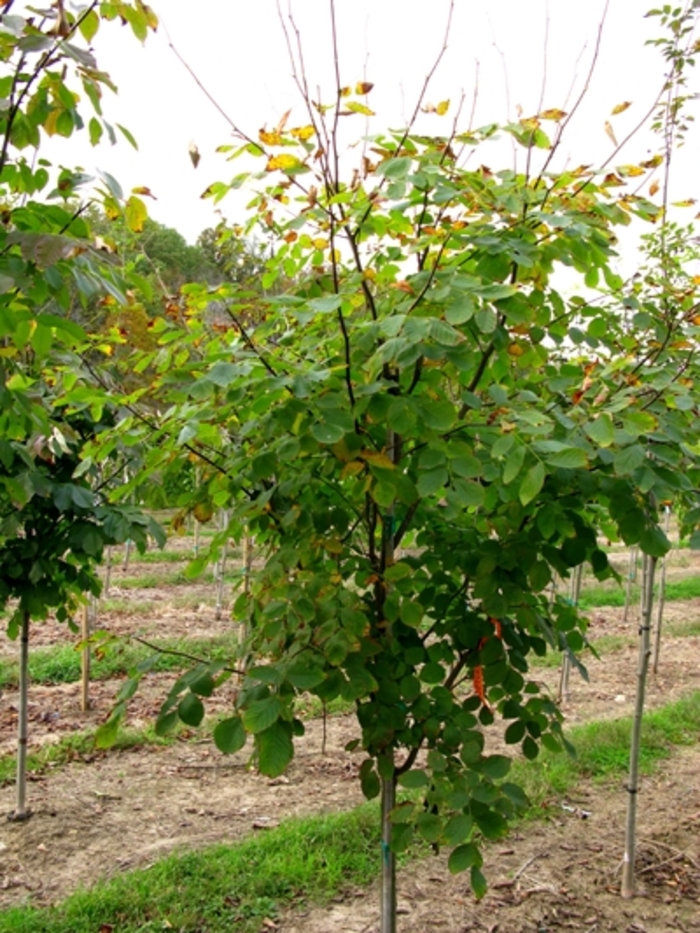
point(85, 659)
point(388, 881)
point(574, 595)
point(247, 570)
point(661, 599)
point(127, 555)
point(21, 812)
point(649, 566)
point(197, 480)
point(631, 577)
point(221, 569)
point(387, 769)
point(108, 573)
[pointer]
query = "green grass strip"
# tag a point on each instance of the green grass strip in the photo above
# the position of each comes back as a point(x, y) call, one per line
point(594, 596)
point(61, 663)
point(224, 888)
point(233, 888)
point(602, 749)
point(77, 744)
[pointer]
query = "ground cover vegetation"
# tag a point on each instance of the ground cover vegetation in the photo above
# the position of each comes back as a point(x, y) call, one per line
point(416, 426)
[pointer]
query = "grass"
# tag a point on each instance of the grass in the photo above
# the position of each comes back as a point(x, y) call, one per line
point(594, 596)
point(151, 557)
point(77, 745)
point(602, 749)
point(61, 663)
point(223, 888)
point(236, 887)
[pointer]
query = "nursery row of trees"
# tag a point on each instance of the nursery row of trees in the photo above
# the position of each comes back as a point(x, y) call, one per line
point(398, 402)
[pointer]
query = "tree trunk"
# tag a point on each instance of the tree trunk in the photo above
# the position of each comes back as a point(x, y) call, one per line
point(221, 569)
point(108, 572)
point(388, 879)
point(85, 659)
point(22, 812)
point(649, 566)
point(631, 577)
point(127, 555)
point(661, 600)
point(574, 595)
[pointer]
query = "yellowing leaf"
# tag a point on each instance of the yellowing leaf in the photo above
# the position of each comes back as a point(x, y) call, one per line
point(355, 106)
point(612, 180)
point(270, 137)
point(378, 459)
point(688, 202)
point(620, 108)
point(630, 171)
point(363, 87)
point(553, 114)
point(146, 192)
point(654, 162)
point(345, 92)
point(302, 132)
point(653, 188)
point(135, 213)
point(283, 162)
point(611, 132)
point(442, 108)
point(696, 280)
point(320, 242)
point(283, 121)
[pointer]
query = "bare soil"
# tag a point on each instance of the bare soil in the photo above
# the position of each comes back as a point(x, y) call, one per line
point(109, 812)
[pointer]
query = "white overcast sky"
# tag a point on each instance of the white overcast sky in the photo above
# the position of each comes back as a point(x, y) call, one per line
point(237, 50)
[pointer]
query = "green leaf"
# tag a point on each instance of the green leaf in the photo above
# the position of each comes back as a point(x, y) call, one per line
point(514, 732)
point(495, 767)
point(570, 458)
point(654, 542)
point(429, 826)
point(230, 735)
point(327, 433)
point(629, 459)
point(395, 168)
point(530, 748)
point(190, 709)
point(326, 303)
point(305, 676)
point(106, 733)
point(412, 780)
point(532, 483)
point(369, 780)
point(458, 829)
point(430, 481)
point(601, 431)
point(478, 882)
point(411, 613)
point(275, 749)
point(464, 857)
point(513, 464)
point(261, 714)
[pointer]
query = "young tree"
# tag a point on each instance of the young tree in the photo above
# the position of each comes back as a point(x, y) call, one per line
point(420, 431)
point(53, 526)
